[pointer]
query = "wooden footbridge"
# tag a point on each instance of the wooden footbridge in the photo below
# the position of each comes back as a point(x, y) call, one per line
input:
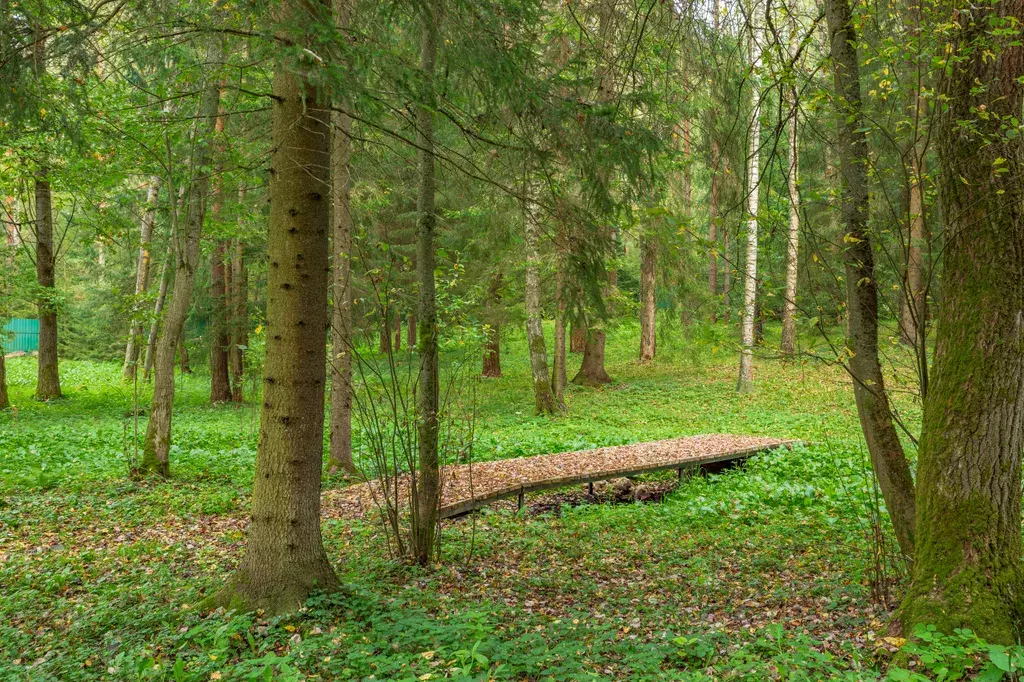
point(469, 487)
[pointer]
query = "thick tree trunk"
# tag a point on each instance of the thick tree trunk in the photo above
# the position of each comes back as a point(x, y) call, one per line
point(157, 446)
point(592, 372)
point(284, 557)
point(154, 327)
point(876, 419)
point(544, 398)
point(492, 346)
point(788, 344)
point(48, 378)
point(428, 479)
point(648, 255)
point(142, 269)
point(410, 331)
point(239, 318)
point(220, 382)
point(558, 371)
point(398, 332)
point(746, 380)
point(967, 568)
point(340, 365)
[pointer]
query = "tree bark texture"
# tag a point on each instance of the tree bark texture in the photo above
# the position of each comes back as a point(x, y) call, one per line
point(239, 328)
point(284, 557)
point(577, 338)
point(967, 567)
point(592, 372)
point(714, 218)
point(876, 418)
point(5, 400)
point(558, 371)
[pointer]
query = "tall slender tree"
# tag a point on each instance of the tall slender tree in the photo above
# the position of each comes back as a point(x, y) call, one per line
point(142, 270)
point(788, 343)
point(156, 450)
point(746, 380)
point(284, 557)
point(428, 480)
point(340, 365)
point(967, 567)
point(876, 417)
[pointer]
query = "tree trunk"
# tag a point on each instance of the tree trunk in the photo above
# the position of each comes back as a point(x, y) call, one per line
point(788, 344)
point(428, 480)
point(340, 366)
point(727, 275)
point(398, 332)
point(558, 371)
point(648, 255)
point(284, 557)
point(154, 327)
point(713, 220)
point(746, 380)
point(131, 353)
point(492, 346)
point(220, 382)
point(48, 379)
point(967, 568)
point(912, 312)
point(239, 317)
point(592, 372)
point(544, 398)
point(687, 171)
point(5, 401)
point(410, 332)
point(157, 446)
point(577, 338)
point(183, 358)
point(876, 419)
point(384, 333)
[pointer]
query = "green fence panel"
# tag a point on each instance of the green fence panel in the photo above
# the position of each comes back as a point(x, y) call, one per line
point(21, 334)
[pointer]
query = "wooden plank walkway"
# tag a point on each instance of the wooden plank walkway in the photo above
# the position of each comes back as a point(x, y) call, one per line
point(469, 487)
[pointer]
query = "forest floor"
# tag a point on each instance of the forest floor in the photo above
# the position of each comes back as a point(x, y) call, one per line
point(764, 571)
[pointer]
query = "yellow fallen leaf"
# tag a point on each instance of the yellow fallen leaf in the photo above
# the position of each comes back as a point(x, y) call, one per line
point(895, 641)
point(427, 655)
point(215, 675)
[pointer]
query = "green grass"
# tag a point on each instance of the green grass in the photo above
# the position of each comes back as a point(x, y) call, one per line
point(758, 573)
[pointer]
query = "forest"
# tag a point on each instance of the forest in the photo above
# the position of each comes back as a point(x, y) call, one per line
point(527, 340)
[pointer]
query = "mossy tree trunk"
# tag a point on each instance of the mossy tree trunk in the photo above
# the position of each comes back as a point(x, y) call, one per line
point(142, 270)
point(284, 558)
point(967, 567)
point(876, 418)
point(648, 339)
point(339, 368)
point(157, 446)
point(428, 478)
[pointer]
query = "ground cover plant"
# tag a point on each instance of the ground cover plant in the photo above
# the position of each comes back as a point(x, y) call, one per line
point(759, 572)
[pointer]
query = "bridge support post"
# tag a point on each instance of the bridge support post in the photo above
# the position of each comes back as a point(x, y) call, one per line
point(590, 488)
point(521, 500)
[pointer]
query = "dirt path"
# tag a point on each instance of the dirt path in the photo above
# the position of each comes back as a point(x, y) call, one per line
point(468, 487)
